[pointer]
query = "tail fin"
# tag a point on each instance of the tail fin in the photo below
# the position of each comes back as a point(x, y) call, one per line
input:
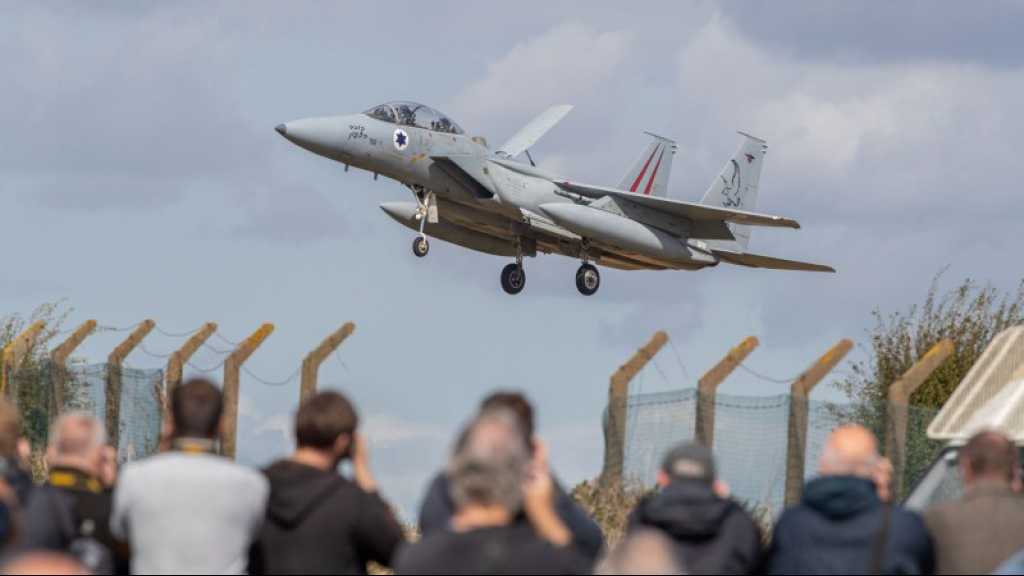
point(736, 186)
point(649, 175)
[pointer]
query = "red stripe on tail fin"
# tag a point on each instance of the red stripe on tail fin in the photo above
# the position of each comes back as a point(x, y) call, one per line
point(647, 189)
point(640, 176)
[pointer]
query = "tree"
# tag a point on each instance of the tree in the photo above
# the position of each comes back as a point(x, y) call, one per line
point(970, 315)
point(33, 393)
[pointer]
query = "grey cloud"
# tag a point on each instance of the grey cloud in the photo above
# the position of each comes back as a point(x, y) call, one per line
point(868, 33)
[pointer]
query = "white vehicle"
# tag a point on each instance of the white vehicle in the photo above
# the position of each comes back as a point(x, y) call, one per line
point(991, 396)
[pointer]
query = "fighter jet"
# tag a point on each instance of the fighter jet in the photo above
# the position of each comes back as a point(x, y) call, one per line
point(486, 200)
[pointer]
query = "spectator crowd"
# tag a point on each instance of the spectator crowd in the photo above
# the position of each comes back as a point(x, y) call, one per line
point(495, 507)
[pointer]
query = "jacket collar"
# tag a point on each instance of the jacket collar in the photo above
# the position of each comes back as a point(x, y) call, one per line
point(71, 478)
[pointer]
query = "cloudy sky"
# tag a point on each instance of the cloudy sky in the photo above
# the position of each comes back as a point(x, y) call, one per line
point(142, 177)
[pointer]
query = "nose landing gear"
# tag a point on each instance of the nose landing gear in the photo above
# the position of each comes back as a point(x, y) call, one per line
point(420, 246)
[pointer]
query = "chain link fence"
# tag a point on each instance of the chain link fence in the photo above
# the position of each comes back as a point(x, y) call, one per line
point(751, 435)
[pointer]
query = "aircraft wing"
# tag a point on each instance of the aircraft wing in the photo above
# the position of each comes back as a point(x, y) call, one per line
point(759, 261)
point(689, 210)
point(529, 135)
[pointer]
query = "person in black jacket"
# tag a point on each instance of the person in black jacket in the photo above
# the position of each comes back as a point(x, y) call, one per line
point(437, 507)
point(71, 512)
point(841, 526)
point(712, 533)
point(319, 522)
point(492, 478)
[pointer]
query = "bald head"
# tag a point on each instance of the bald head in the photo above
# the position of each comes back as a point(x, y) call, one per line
point(43, 563)
point(642, 552)
point(77, 441)
point(851, 450)
point(989, 456)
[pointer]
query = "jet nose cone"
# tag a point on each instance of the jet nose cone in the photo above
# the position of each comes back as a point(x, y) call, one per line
point(282, 129)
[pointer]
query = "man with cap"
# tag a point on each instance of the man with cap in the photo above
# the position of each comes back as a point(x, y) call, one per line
point(711, 532)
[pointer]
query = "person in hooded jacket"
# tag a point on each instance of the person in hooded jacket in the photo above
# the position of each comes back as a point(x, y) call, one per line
point(712, 533)
point(318, 521)
point(842, 526)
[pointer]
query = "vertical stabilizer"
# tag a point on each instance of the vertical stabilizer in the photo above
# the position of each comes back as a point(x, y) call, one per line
point(650, 174)
point(736, 186)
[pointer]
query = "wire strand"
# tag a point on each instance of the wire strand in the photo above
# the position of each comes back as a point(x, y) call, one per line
point(147, 352)
point(760, 376)
point(265, 382)
point(679, 359)
point(176, 334)
point(206, 370)
point(231, 343)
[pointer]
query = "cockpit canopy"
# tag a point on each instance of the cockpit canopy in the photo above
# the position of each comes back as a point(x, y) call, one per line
point(413, 114)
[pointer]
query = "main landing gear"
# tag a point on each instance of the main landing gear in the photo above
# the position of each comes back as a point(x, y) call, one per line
point(420, 246)
point(588, 279)
point(513, 276)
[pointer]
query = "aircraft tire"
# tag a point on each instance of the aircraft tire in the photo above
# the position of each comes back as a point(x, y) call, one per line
point(588, 279)
point(513, 279)
point(420, 246)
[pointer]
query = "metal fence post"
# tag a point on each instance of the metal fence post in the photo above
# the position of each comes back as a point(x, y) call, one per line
point(707, 388)
point(229, 427)
point(898, 413)
point(13, 355)
point(59, 360)
point(798, 404)
point(181, 356)
point(618, 395)
point(311, 363)
point(113, 385)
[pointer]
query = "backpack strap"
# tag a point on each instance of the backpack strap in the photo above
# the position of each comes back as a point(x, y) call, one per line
point(881, 541)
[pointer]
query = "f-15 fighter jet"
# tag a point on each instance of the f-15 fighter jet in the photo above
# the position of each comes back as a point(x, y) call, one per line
point(487, 200)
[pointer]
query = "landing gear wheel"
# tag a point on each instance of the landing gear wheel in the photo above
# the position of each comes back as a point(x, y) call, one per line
point(513, 278)
point(588, 279)
point(420, 246)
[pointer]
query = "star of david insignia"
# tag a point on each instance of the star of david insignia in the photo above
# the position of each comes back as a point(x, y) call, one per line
point(401, 139)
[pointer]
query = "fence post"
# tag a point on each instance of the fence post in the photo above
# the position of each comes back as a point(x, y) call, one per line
point(311, 363)
point(113, 389)
point(13, 355)
point(800, 391)
point(229, 428)
point(898, 413)
point(618, 395)
point(707, 388)
point(59, 359)
point(176, 363)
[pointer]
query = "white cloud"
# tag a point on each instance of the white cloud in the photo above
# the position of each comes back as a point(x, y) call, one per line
point(831, 123)
point(385, 430)
point(562, 65)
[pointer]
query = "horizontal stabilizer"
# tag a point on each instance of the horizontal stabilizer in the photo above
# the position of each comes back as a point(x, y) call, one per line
point(683, 209)
point(529, 135)
point(758, 261)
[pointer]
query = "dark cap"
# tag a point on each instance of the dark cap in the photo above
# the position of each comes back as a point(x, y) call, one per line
point(689, 461)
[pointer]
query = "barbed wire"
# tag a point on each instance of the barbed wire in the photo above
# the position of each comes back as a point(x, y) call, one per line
point(231, 343)
point(207, 370)
point(147, 352)
point(337, 354)
point(215, 349)
point(661, 373)
point(760, 376)
point(176, 334)
point(679, 359)
point(265, 382)
point(105, 328)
